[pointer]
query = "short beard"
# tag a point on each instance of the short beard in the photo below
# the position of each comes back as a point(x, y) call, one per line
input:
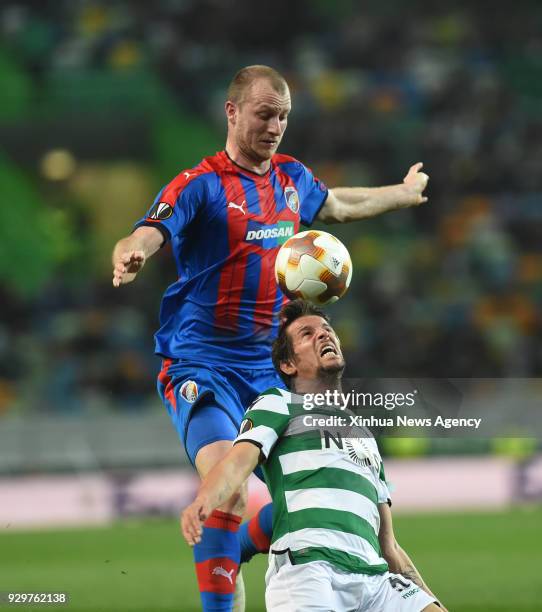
point(252, 154)
point(331, 374)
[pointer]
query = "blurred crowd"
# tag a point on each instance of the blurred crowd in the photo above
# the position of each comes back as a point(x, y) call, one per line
point(452, 289)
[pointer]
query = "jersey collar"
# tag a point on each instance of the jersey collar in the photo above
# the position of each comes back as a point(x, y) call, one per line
point(250, 172)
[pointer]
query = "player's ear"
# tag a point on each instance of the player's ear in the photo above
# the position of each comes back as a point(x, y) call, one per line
point(288, 368)
point(231, 111)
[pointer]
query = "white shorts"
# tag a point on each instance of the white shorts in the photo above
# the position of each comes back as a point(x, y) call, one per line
point(321, 587)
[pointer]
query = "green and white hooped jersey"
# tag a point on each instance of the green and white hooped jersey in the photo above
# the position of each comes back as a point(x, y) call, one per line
point(325, 485)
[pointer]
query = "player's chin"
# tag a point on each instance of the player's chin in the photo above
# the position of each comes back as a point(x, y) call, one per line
point(333, 364)
point(267, 150)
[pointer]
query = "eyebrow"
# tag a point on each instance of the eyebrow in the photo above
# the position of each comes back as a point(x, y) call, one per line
point(265, 106)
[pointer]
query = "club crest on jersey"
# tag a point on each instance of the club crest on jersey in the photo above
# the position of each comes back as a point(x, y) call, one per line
point(356, 448)
point(189, 390)
point(359, 452)
point(160, 211)
point(292, 199)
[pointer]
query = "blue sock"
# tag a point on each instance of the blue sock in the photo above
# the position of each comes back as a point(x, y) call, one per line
point(217, 561)
point(255, 535)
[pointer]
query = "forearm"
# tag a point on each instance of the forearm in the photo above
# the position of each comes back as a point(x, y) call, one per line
point(354, 203)
point(146, 239)
point(131, 253)
point(345, 204)
point(225, 479)
point(400, 563)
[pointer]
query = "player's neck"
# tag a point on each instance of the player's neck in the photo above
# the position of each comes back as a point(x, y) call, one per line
point(244, 161)
point(322, 384)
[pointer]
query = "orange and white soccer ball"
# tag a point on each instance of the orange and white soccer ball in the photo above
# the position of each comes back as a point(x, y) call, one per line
point(315, 266)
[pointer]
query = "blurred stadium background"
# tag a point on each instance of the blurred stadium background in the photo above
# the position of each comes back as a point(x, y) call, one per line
point(101, 104)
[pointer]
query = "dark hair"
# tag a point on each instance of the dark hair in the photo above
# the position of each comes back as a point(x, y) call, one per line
point(246, 76)
point(283, 349)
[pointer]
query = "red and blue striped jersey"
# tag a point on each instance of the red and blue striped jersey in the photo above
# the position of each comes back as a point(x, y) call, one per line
point(225, 225)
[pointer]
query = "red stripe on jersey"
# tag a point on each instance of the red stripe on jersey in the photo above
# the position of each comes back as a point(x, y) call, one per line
point(259, 538)
point(232, 276)
point(217, 575)
point(280, 158)
point(165, 380)
point(285, 180)
point(285, 300)
point(223, 520)
point(267, 287)
point(173, 190)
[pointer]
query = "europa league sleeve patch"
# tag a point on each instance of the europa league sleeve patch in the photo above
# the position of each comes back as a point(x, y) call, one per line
point(246, 425)
point(160, 211)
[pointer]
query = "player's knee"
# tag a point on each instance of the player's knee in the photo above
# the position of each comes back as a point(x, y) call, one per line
point(207, 457)
point(211, 454)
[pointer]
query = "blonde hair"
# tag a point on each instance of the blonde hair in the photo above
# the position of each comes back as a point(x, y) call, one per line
point(246, 76)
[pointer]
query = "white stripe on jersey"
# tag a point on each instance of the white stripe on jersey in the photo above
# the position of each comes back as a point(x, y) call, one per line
point(317, 459)
point(266, 436)
point(334, 499)
point(270, 403)
point(329, 538)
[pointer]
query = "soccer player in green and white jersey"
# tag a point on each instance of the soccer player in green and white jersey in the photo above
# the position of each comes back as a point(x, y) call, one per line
point(333, 546)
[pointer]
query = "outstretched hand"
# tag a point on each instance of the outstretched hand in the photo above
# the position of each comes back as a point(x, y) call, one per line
point(192, 520)
point(415, 182)
point(126, 266)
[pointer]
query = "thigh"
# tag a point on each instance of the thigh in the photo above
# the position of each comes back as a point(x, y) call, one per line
point(209, 436)
point(203, 405)
point(395, 593)
point(248, 384)
point(251, 383)
point(209, 452)
point(349, 591)
point(298, 588)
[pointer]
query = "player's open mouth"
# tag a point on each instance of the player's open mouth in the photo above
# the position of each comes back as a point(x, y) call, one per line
point(328, 349)
point(269, 143)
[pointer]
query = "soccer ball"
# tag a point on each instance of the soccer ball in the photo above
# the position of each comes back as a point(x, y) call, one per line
point(314, 266)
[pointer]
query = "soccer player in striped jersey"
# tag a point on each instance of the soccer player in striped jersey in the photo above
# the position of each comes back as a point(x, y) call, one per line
point(333, 545)
point(225, 220)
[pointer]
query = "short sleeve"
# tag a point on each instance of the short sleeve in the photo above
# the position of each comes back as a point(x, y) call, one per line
point(384, 496)
point(175, 206)
point(265, 421)
point(313, 195)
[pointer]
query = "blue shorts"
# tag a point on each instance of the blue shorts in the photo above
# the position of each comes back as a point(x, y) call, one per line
point(207, 402)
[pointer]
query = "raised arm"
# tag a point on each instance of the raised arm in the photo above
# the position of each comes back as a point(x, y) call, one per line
point(398, 560)
point(130, 253)
point(345, 204)
point(219, 485)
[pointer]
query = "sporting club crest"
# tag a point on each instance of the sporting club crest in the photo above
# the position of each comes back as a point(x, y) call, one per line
point(360, 453)
point(292, 199)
